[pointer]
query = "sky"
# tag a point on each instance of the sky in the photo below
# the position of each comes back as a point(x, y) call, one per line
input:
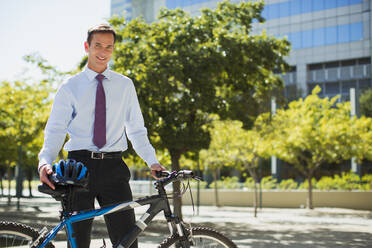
point(55, 29)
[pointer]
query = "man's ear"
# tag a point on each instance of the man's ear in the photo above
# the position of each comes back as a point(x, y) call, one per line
point(86, 46)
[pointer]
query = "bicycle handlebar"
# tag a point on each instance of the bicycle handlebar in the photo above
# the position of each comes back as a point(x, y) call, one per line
point(169, 177)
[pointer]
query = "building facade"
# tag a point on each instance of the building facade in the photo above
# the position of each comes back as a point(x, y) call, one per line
point(331, 39)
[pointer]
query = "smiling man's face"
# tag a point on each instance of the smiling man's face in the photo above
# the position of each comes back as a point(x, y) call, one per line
point(99, 51)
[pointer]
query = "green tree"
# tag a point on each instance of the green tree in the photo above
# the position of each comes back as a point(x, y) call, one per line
point(185, 68)
point(234, 146)
point(24, 109)
point(365, 101)
point(218, 153)
point(316, 131)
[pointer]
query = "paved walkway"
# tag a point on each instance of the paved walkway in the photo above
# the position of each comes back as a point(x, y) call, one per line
point(292, 228)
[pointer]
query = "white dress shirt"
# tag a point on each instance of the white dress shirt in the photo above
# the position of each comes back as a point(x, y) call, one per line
point(73, 113)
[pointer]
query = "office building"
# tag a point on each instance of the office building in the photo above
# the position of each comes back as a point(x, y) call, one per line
point(331, 39)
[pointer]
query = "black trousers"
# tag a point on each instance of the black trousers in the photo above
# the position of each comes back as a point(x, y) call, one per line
point(109, 184)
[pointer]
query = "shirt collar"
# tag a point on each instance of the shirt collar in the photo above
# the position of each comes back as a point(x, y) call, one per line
point(92, 74)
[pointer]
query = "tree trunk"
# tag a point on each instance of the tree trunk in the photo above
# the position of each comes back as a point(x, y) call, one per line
point(9, 182)
point(255, 198)
point(30, 188)
point(253, 174)
point(2, 187)
point(309, 203)
point(177, 200)
point(217, 202)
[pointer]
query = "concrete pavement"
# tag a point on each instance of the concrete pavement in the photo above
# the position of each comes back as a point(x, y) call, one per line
point(322, 227)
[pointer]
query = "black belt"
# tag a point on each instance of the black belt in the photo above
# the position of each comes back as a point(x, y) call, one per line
point(95, 155)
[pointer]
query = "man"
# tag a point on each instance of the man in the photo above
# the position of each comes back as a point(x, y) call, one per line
point(98, 108)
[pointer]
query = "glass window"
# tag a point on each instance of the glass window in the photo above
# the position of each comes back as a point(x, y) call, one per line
point(332, 88)
point(345, 72)
point(334, 64)
point(347, 85)
point(341, 3)
point(306, 6)
point(295, 7)
point(331, 35)
point(192, 2)
point(329, 4)
point(320, 75)
point(364, 84)
point(356, 31)
point(348, 62)
point(284, 9)
point(318, 5)
point(343, 33)
point(170, 4)
point(184, 3)
point(307, 38)
point(274, 11)
point(318, 37)
point(265, 12)
point(332, 73)
point(358, 71)
point(287, 8)
point(355, 1)
point(295, 39)
point(364, 61)
point(313, 67)
point(128, 10)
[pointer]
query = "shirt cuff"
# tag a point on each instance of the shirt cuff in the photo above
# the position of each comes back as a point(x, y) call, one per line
point(41, 166)
point(151, 162)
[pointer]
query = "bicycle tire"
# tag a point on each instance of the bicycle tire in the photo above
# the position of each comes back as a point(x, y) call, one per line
point(202, 237)
point(14, 234)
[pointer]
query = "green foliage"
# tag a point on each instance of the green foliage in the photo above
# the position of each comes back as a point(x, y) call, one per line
point(288, 184)
point(231, 145)
point(347, 181)
point(314, 131)
point(194, 184)
point(24, 111)
point(249, 183)
point(187, 67)
point(305, 184)
point(227, 183)
point(365, 101)
point(326, 183)
point(268, 182)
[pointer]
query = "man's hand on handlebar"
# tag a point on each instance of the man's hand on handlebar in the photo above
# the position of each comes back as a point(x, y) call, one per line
point(46, 170)
point(154, 168)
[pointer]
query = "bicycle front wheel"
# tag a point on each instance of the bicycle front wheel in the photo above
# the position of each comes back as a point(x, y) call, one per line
point(201, 237)
point(17, 235)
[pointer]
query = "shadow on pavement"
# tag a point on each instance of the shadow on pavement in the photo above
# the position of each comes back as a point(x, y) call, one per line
point(274, 228)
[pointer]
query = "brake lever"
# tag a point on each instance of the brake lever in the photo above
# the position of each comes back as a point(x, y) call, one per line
point(198, 178)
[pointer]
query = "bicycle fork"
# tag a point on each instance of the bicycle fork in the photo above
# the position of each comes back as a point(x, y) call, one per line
point(177, 228)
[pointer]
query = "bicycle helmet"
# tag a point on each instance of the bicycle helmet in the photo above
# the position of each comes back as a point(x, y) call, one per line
point(70, 172)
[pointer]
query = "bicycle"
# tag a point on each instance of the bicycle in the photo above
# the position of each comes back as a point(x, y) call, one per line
point(14, 234)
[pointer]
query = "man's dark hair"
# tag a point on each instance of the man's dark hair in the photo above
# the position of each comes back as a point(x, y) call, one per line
point(101, 28)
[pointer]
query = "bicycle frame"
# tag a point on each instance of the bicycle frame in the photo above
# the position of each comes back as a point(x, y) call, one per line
point(157, 203)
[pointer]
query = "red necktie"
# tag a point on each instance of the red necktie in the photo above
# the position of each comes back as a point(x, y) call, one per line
point(99, 135)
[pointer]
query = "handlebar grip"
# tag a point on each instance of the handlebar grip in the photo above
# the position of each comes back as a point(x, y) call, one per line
point(186, 174)
point(160, 174)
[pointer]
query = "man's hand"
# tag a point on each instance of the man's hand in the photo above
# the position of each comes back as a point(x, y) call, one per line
point(156, 167)
point(46, 170)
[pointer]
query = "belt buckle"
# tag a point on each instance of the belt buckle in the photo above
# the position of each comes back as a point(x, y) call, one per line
point(97, 155)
